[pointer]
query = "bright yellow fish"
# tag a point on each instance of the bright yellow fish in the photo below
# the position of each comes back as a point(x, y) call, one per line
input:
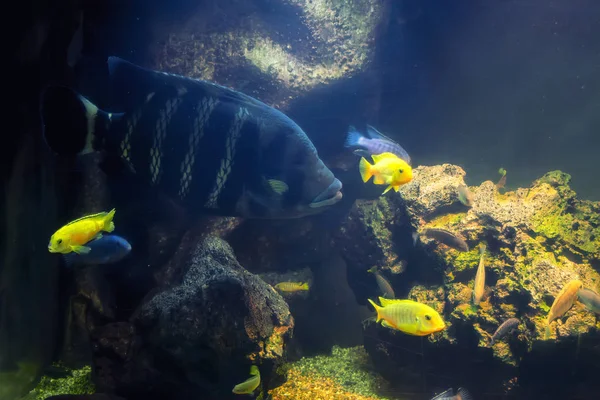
point(408, 316)
point(74, 235)
point(389, 169)
point(250, 384)
point(291, 286)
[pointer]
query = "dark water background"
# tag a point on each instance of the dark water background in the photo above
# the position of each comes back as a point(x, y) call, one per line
point(481, 84)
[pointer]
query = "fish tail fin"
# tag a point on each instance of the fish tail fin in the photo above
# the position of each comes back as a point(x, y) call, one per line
point(365, 169)
point(352, 138)
point(72, 124)
point(463, 394)
point(547, 332)
point(304, 286)
point(109, 225)
point(373, 269)
point(377, 309)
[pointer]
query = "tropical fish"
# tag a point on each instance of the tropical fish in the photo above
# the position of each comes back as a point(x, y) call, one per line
point(291, 286)
point(479, 285)
point(74, 235)
point(506, 327)
point(590, 299)
point(502, 181)
point(250, 384)
point(563, 302)
point(465, 196)
point(105, 250)
point(408, 316)
point(388, 169)
point(461, 394)
point(448, 238)
point(204, 146)
point(384, 285)
point(373, 142)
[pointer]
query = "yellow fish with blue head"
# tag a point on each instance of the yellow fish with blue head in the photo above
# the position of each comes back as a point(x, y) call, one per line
point(388, 169)
point(408, 316)
point(73, 236)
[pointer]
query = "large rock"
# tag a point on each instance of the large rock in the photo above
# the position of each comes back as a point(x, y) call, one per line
point(198, 336)
point(538, 239)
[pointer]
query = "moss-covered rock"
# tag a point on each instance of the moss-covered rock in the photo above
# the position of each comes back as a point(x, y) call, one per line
point(76, 381)
point(538, 239)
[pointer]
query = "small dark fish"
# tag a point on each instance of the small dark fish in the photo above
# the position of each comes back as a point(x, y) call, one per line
point(590, 299)
point(106, 250)
point(506, 327)
point(448, 238)
point(208, 148)
point(373, 142)
point(384, 285)
point(461, 394)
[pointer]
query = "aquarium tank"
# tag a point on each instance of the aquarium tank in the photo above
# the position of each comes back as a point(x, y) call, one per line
point(301, 200)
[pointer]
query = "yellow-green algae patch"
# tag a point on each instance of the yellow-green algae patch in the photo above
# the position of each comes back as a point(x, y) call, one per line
point(346, 367)
point(78, 381)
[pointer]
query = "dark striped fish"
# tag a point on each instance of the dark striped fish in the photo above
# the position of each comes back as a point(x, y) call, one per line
point(448, 238)
point(506, 327)
point(206, 146)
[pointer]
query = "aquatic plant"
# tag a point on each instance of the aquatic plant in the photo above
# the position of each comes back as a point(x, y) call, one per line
point(77, 381)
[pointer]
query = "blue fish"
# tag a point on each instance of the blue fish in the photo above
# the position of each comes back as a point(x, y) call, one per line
point(206, 147)
point(106, 250)
point(373, 142)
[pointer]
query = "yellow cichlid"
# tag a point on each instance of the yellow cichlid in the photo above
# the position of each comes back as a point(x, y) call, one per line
point(291, 286)
point(250, 384)
point(563, 302)
point(479, 285)
point(389, 169)
point(408, 316)
point(73, 236)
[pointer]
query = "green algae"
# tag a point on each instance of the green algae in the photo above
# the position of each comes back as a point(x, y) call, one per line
point(77, 381)
point(447, 221)
point(345, 366)
point(466, 260)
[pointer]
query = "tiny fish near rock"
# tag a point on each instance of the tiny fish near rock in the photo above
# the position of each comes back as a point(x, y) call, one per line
point(408, 316)
point(590, 299)
point(506, 327)
point(388, 169)
point(563, 302)
point(202, 145)
point(448, 238)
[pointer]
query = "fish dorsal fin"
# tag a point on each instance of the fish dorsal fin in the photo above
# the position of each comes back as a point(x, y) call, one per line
point(131, 83)
point(375, 134)
point(383, 156)
point(446, 394)
point(386, 302)
point(100, 214)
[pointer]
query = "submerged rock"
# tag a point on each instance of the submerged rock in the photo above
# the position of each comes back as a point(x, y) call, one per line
point(537, 238)
point(199, 335)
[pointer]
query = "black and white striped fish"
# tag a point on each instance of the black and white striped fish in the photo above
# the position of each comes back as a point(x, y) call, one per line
point(204, 145)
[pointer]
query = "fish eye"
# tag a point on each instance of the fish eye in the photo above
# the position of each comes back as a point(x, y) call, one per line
point(59, 241)
point(428, 317)
point(401, 171)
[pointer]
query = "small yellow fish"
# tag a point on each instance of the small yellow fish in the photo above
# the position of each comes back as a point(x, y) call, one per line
point(408, 316)
point(563, 302)
point(389, 169)
point(479, 285)
point(291, 286)
point(250, 384)
point(74, 235)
